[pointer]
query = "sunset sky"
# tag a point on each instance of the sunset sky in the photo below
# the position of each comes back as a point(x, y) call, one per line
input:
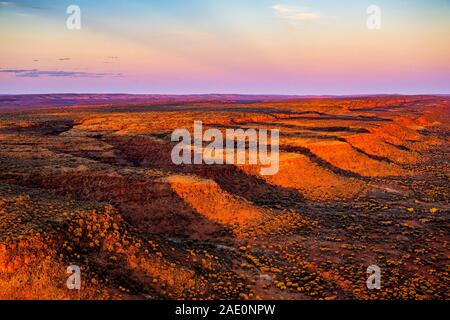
point(225, 46)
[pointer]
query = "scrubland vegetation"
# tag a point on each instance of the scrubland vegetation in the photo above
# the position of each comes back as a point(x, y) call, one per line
point(362, 181)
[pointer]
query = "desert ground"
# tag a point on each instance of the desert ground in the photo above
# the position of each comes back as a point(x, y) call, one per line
point(89, 181)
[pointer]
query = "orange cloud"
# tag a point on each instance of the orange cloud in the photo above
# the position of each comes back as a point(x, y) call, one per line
point(294, 14)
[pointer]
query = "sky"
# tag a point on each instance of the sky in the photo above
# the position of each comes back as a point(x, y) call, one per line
point(303, 47)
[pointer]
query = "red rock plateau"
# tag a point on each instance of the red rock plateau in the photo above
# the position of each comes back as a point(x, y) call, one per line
point(88, 180)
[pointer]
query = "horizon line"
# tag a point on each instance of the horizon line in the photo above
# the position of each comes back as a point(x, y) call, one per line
point(228, 94)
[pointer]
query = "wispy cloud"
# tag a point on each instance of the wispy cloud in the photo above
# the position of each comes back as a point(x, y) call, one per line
point(18, 4)
point(7, 4)
point(35, 73)
point(294, 14)
point(25, 15)
point(64, 59)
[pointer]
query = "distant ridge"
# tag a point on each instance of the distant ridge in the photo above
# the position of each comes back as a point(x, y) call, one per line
point(31, 101)
point(26, 101)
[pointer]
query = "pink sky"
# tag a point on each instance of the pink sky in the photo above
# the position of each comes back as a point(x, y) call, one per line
point(264, 47)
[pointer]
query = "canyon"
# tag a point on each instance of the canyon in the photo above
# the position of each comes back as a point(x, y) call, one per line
point(88, 180)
